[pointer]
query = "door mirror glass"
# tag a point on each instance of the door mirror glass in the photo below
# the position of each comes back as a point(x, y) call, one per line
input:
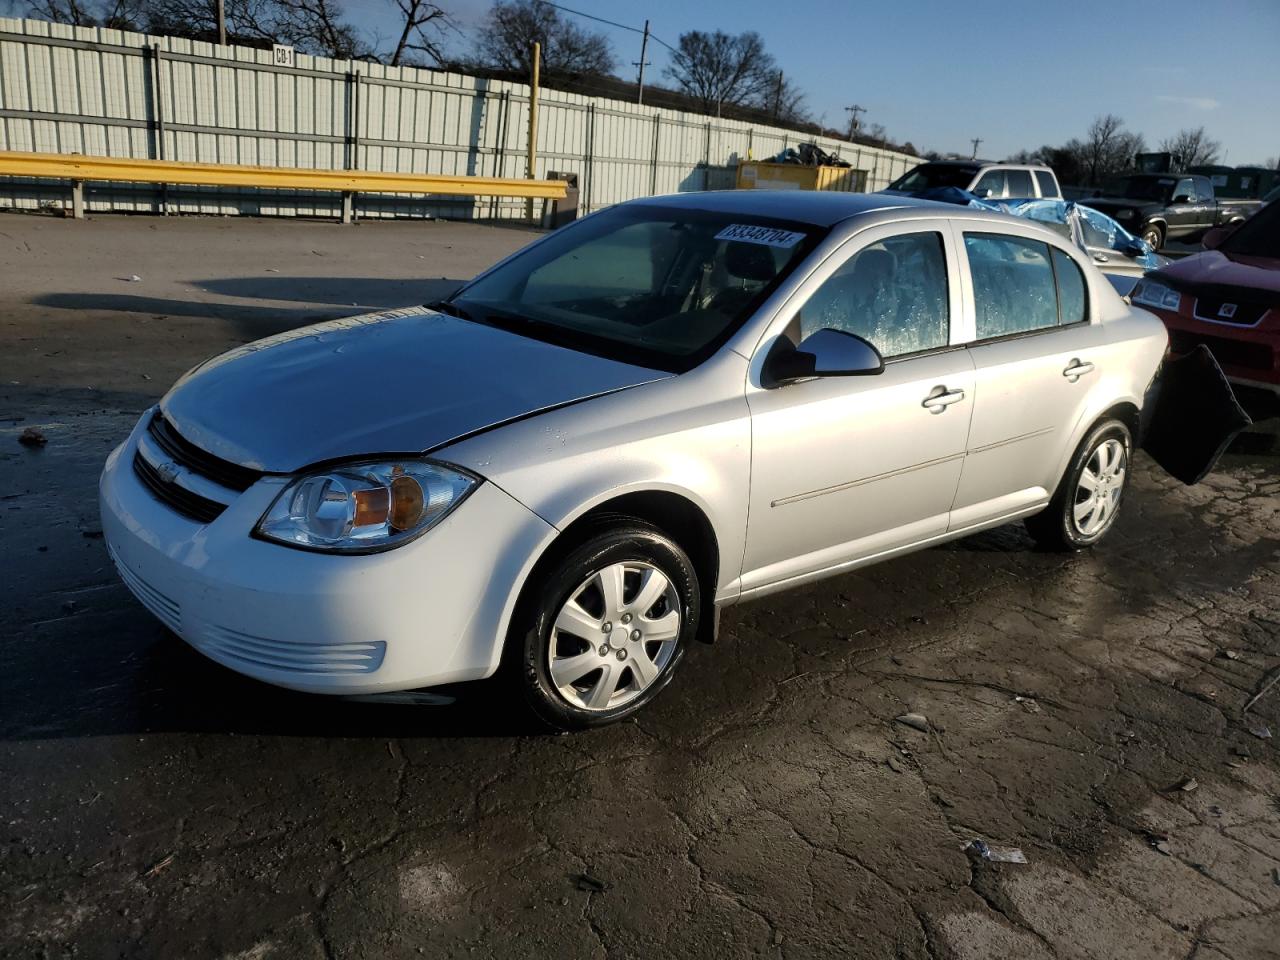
point(825, 353)
point(1182, 198)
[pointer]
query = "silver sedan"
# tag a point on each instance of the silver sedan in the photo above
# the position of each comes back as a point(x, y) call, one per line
point(567, 469)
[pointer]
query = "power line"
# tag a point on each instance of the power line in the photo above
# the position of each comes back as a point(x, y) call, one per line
point(613, 23)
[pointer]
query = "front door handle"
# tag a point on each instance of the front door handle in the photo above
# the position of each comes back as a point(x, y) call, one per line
point(1076, 369)
point(1101, 257)
point(940, 398)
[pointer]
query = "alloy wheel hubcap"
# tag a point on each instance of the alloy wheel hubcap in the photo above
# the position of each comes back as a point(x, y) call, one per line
point(1101, 484)
point(614, 636)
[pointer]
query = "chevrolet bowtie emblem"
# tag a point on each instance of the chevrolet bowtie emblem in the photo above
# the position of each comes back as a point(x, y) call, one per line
point(1227, 310)
point(168, 472)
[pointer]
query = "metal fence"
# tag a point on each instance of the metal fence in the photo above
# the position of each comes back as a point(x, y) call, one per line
point(112, 93)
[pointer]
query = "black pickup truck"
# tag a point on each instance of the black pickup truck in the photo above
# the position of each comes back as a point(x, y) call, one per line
point(1167, 206)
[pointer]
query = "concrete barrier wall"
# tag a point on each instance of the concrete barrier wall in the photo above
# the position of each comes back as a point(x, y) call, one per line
point(112, 93)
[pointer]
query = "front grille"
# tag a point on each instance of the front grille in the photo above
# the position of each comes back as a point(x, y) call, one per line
point(1244, 314)
point(179, 498)
point(182, 451)
point(1229, 353)
point(163, 608)
point(292, 656)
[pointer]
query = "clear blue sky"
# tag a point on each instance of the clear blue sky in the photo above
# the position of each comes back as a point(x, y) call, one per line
point(1016, 74)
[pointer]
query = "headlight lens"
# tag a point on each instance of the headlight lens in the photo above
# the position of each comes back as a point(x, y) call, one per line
point(1126, 213)
point(1153, 294)
point(365, 507)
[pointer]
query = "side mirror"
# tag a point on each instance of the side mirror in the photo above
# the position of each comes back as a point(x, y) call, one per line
point(1133, 247)
point(1213, 239)
point(1182, 198)
point(982, 193)
point(824, 353)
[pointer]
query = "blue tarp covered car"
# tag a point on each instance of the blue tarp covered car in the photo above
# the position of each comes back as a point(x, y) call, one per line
point(1116, 251)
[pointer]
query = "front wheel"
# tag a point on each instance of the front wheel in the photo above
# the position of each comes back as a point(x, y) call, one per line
point(1088, 499)
point(607, 627)
point(1153, 235)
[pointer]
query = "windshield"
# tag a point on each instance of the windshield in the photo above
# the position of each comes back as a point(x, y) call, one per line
point(930, 175)
point(656, 287)
point(1259, 236)
point(1141, 188)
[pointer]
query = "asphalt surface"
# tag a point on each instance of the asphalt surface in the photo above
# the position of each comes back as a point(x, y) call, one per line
point(1087, 709)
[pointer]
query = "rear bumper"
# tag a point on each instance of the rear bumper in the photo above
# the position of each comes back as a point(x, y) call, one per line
point(432, 611)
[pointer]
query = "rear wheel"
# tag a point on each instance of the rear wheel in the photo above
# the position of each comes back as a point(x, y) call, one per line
point(1088, 499)
point(607, 627)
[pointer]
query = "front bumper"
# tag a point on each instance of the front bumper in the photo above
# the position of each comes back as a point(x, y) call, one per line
point(1248, 355)
point(432, 611)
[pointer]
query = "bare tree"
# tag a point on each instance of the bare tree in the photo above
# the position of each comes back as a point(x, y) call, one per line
point(424, 26)
point(1191, 148)
point(74, 12)
point(506, 39)
point(784, 101)
point(717, 68)
point(1106, 150)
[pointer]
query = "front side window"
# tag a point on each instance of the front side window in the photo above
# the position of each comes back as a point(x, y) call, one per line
point(892, 293)
point(1204, 189)
point(1184, 191)
point(1013, 288)
point(655, 287)
point(929, 176)
point(993, 181)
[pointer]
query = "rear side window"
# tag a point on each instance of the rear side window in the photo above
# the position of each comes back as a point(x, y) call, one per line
point(1071, 289)
point(1018, 183)
point(1048, 186)
point(892, 293)
point(1013, 287)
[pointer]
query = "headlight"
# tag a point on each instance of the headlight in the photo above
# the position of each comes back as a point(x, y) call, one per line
point(1126, 214)
point(364, 507)
point(1154, 294)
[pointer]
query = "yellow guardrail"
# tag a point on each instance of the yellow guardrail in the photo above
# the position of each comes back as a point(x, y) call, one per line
point(79, 169)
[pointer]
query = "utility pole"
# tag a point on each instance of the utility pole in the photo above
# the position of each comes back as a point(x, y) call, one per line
point(853, 119)
point(644, 47)
point(531, 170)
point(975, 141)
point(222, 23)
point(777, 97)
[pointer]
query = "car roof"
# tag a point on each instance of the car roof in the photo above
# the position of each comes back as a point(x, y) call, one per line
point(821, 208)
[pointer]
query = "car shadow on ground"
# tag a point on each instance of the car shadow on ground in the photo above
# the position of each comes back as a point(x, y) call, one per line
point(339, 291)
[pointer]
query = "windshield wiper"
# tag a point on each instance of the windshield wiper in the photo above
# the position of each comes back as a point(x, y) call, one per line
point(447, 306)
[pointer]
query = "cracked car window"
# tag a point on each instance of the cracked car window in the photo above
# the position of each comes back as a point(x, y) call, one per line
point(892, 294)
point(1013, 288)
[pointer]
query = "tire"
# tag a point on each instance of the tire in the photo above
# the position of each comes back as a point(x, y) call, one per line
point(1153, 235)
point(583, 676)
point(1067, 523)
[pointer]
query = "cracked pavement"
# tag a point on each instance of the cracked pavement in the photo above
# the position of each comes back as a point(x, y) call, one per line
point(1087, 709)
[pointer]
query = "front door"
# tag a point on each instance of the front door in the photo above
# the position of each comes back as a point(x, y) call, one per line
point(845, 468)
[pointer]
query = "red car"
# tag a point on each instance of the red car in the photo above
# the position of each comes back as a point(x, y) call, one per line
point(1227, 298)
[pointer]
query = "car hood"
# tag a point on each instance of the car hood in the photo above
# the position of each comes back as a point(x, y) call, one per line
point(1257, 278)
point(398, 382)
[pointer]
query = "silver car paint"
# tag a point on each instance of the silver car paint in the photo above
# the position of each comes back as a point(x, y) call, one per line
point(401, 381)
point(740, 452)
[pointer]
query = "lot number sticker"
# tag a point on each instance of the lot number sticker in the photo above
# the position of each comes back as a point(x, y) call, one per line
point(766, 236)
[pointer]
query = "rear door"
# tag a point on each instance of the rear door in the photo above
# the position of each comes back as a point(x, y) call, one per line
point(1034, 351)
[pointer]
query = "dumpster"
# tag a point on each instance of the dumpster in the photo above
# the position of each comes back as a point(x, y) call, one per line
point(763, 175)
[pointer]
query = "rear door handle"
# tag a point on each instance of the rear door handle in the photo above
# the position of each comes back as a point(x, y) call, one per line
point(1076, 369)
point(940, 398)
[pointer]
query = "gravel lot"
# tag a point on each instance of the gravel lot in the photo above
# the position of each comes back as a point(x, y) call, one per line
point(1085, 709)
